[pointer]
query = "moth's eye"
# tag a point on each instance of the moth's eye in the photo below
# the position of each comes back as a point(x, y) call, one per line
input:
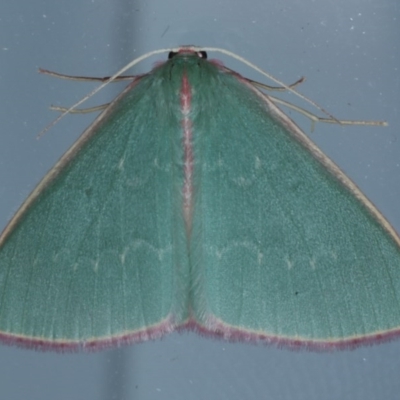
point(172, 54)
point(202, 54)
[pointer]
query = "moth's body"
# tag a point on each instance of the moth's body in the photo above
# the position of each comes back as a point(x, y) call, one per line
point(193, 201)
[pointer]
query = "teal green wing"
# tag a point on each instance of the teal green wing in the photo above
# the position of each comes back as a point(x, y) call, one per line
point(89, 258)
point(288, 249)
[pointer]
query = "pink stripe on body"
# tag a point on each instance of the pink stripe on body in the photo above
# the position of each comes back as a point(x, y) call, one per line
point(187, 142)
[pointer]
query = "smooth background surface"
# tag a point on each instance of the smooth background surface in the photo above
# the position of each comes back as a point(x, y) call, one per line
point(348, 51)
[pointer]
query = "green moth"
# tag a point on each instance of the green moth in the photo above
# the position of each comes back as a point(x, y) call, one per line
point(192, 201)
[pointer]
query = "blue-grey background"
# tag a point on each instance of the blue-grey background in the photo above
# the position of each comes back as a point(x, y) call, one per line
point(349, 52)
